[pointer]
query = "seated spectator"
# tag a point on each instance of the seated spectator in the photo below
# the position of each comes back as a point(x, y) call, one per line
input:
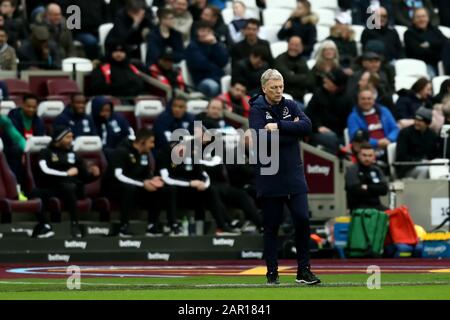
point(388, 35)
point(424, 41)
point(174, 117)
point(249, 70)
point(239, 21)
point(371, 80)
point(212, 16)
point(236, 99)
point(343, 36)
point(410, 101)
point(4, 94)
point(54, 21)
point(242, 49)
point(163, 37)
point(131, 181)
point(117, 76)
point(63, 174)
point(363, 9)
point(374, 118)
point(110, 126)
point(196, 8)
point(372, 62)
point(302, 23)
point(39, 52)
point(74, 117)
point(404, 11)
point(443, 93)
point(8, 59)
point(166, 73)
point(351, 150)
point(328, 110)
point(213, 117)
point(365, 182)
point(298, 79)
point(25, 118)
point(183, 19)
point(15, 26)
point(327, 59)
point(206, 57)
point(131, 27)
point(93, 15)
point(417, 143)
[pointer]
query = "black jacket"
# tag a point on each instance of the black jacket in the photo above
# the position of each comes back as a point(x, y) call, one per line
point(400, 12)
point(415, 37)
point(393, 48)
point(249, 76)
point(377, 186)
point(408, 103)
point(306, 31)
point(242, 49)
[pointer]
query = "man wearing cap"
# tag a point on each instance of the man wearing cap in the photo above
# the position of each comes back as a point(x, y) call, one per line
point(350, 151)
point(417, 143)
point(39, 52)
point(63, 174)
point(165, 72)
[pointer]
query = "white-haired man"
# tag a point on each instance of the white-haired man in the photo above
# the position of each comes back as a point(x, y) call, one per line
point(270, 113)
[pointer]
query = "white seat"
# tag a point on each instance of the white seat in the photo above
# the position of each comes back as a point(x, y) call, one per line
point(225, 83)
point(445, 30)
point(411, 68)
point(391, 155)
point(36, 144)
point(275, 16)
point(143, 48)
point(307, 98)
point(6, 106)
point(291, 4)
point(438, 172)
point(395, 98)
point(441, 69)
point(269, 33)
point(278, 48)
point(186, 74)
point(148, 108)
point(81, 64)
point(404, 82)
point(323, 32)
point(437, 82)
point(326, 17)
point(401, 32)
point(87, 144)
point(332, 4)
point(346, 137)
point(103, 31)
point(197, 106)
point(288, 96)
point(50, 109)
point(358, 32)
point(311, 63)
point(227, 14)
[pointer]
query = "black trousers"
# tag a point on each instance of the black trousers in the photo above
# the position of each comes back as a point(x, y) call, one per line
point(131, 198)
point(239, 199)
point(68, 192)
point(272, 208)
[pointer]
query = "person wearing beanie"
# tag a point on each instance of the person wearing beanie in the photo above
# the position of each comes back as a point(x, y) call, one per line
point(328, 110)
point(62, 174)
point(350, 151)
point(417, 143)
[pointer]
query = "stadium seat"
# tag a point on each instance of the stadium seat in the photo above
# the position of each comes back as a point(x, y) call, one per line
point(275, 16)
point(227, 14)
point(6, 106)
point(411, 68)
point(401, 32)
point(311, 63)
point(323, 32)
point(331, 4)
point(225, 83)
point(358, 30)
point(346, 137)
point(9, 202)
point(64, 99)
point(438, 172)
point(437, 82)
point(278, 48)
point(391, 154)
point(143, 48)
point(445, 30)
point(17, 89)
point(269, 33)
point(307, 98)
point(441, 69)
point(48, 111)
point(90, 150)
point(146, 112)
point(290, 4)
point(395, 98)
point(186, 74)
point(65, 87)
point(404, 82)
point(326, 17)
point(196, 106)
point(81, 64)
point(103, 31)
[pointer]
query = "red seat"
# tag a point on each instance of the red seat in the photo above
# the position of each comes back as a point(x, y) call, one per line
point(17, 87)
point(9, 196)
point(62, 87)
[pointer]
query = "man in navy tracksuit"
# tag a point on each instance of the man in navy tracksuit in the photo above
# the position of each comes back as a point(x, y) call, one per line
point(272, 114)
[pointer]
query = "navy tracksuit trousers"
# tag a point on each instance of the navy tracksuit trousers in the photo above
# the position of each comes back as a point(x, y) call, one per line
point(272, 210)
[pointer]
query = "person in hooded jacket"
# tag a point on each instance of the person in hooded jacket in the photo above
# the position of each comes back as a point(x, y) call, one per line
point(174, 117)
point(74, 117)
point(111, 126)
